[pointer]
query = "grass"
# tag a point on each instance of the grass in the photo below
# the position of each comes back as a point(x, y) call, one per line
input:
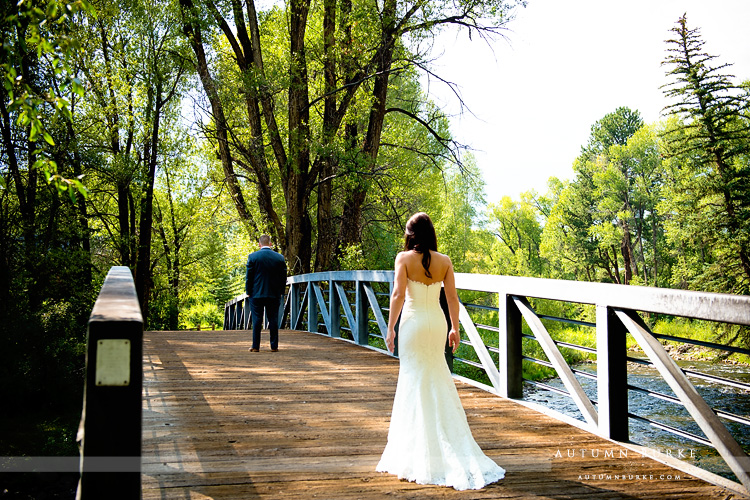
point(585, 337)
point(705, 331)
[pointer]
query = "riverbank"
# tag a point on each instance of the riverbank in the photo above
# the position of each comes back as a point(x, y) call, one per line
point(689, 352)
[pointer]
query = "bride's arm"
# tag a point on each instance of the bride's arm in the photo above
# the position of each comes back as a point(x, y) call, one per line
point(449, 284)
point(397, 300)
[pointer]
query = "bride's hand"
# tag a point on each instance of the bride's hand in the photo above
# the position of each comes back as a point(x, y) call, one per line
point(390, 340)
point(454, 339)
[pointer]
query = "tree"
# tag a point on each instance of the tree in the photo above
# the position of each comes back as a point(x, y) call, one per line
point(518, 229)
point(35, 42)
point(337, 90)
point(567, 243)
point(709, 146)
point(629, 188)
point(46, 282)
point(613, 131)
point(135, 66)
point(591, 223)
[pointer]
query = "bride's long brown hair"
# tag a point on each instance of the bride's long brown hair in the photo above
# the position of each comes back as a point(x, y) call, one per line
point(420, 236)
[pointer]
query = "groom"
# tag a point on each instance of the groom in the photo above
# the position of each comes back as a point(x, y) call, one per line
point(265, 279)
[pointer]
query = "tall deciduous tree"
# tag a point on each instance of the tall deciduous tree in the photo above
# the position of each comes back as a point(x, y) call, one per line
point(590, 228)
point(340, 59)
point(134, 64)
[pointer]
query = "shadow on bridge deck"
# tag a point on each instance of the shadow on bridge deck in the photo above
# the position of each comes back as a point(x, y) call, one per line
point(311, 420)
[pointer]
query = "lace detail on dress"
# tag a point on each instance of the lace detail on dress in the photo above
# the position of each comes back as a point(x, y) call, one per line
point(420, 283)
point(429, 440)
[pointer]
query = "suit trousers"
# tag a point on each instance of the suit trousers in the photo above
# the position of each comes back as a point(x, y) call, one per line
point(271, 307)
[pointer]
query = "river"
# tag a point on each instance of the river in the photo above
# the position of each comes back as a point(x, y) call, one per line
point(720, 397)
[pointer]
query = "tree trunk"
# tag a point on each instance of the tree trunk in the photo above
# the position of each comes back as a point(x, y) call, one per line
point(298, 226)
point(123, 218)
point(627, 253)
point(326, 243)
point(351, 217)
point(81, 208)
point(143, 278)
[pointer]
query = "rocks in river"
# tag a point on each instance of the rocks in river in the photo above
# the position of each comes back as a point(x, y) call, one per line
point(683, 348)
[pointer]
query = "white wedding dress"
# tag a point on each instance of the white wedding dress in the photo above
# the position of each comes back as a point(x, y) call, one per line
point(429, 440)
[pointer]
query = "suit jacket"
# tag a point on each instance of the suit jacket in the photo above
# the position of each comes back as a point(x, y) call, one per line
point(265, 276)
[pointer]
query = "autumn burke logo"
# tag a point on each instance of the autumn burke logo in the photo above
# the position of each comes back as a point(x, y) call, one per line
point(623, 453)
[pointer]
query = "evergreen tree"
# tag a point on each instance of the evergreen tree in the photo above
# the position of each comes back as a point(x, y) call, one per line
point(711, 173)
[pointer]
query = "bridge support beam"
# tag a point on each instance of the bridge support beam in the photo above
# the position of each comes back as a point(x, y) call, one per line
point(294, 305)
point(611, 375)
point(312, 308)
point(334, 309)
point(511, 361)
point(247, 313)
point(362, 318)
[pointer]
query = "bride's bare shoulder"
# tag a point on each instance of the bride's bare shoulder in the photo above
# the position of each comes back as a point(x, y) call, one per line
point(404, 257)
point(442, 257)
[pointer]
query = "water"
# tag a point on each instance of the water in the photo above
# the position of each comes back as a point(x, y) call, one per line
point(719, 397)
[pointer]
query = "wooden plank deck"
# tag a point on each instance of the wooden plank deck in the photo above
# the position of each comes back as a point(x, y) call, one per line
point(311, 420)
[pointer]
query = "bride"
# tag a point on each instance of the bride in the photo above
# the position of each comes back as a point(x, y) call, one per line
point(429, 440)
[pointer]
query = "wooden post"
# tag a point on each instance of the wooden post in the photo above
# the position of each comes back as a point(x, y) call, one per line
point(362, 319)
point(611, 375)
point(334, 309)
point(510, 359)
point(312, 308)
point(110, 429)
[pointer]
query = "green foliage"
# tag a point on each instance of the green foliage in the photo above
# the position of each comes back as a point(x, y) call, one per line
point(352, 258)
point(615, 129)
point(605, 225)
point(200, 308)
point(36, 39)
point(517, 227)
point(661, 204)
point(456, 224)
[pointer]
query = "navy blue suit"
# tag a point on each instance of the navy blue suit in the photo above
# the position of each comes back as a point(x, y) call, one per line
point(265, 280)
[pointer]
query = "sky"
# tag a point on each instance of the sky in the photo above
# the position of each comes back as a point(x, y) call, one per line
point(563, 65)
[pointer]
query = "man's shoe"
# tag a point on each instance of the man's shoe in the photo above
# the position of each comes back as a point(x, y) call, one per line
point(275, 350)
point(253, 349)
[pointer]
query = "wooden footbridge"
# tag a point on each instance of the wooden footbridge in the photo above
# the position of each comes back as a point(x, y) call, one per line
point(311, 420)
